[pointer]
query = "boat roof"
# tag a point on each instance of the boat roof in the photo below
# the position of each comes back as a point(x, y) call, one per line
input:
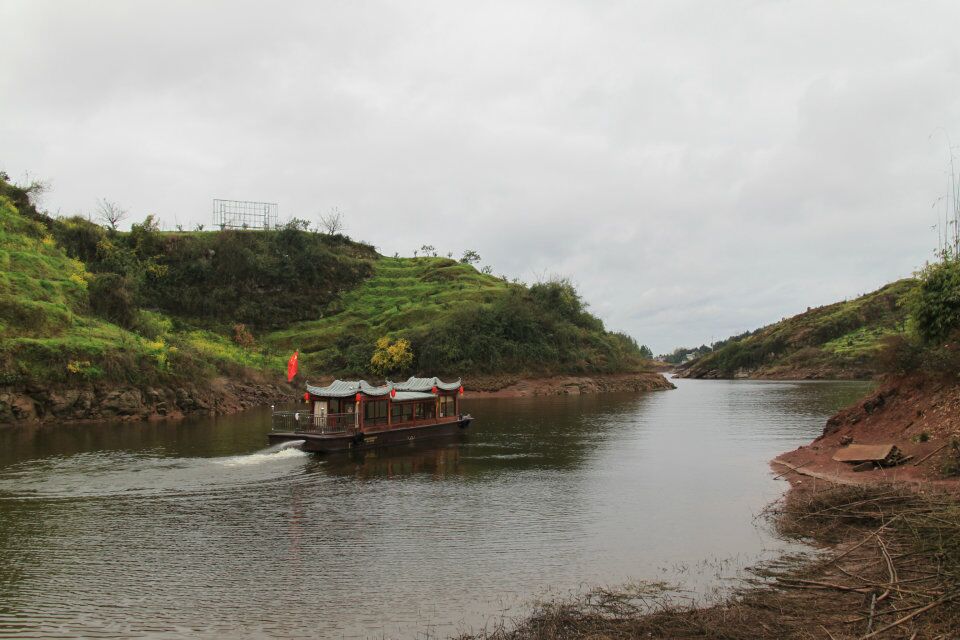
point(412, 395)
point(413, 389)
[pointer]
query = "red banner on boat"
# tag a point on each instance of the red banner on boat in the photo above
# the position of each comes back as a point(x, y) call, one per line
point(292, 366)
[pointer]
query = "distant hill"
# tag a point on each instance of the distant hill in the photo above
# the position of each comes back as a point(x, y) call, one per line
point(838, 341)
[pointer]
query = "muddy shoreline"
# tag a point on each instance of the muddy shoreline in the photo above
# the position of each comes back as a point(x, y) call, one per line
point(918, 415)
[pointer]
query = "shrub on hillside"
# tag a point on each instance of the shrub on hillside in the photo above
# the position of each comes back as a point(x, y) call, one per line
point(900, 355)
point(263, 279)
point(112, 298)
point(153, 325)
point(935, 304)
point(524, 331)
point(391, 357)
point(242, 335)
point(79, 237)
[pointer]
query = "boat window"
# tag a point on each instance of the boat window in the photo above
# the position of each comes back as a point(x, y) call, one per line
point(341, 405)
point(402, 412)
point(375, 412)
point(426, 410)
point(448, 406)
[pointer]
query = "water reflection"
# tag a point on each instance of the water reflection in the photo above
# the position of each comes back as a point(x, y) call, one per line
point(196, 529)
point(436, 461)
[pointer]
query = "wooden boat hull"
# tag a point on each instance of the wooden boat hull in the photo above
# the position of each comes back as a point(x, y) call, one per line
point(371, 439)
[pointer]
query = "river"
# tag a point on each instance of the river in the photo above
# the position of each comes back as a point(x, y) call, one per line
point(195, 528)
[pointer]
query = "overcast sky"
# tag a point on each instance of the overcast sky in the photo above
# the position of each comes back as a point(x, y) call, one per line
point(698, 169)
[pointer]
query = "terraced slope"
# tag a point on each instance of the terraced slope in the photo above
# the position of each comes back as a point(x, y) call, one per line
point(458, 320)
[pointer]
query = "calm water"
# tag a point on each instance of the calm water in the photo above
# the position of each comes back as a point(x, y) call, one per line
point(193, 528)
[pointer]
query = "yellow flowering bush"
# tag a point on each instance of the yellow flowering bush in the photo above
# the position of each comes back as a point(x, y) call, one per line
point(390, 356)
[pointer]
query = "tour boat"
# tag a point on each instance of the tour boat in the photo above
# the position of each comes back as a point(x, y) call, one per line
point(352, 414)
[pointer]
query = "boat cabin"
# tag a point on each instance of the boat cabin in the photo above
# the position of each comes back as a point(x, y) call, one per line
point(357, 406)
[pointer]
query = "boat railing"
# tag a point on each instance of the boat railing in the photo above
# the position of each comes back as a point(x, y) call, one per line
point(320, 423)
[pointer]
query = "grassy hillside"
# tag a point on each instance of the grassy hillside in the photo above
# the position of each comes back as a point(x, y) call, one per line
point(459, 321)
point(80, 303)
point(48, 333)
point(841, 340)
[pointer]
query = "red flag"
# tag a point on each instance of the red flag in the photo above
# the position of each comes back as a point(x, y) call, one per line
point(292, 366)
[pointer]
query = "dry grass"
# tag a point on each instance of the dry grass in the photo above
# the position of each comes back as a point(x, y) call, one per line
point(892, 570)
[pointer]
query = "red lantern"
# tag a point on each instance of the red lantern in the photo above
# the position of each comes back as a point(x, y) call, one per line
point(306, 397)
point(359, 395)
point(434, 390)
point(461, 389)
point(393, 393)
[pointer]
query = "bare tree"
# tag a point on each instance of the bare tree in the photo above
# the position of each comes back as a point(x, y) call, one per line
point(110, 212)
point(332, 223)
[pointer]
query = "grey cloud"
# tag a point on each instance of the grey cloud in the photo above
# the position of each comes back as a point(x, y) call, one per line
point(698, 168)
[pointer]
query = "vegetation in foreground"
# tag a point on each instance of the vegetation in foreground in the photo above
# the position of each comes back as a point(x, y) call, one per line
point(892, 571)
point(82, 303)
point(842, 340)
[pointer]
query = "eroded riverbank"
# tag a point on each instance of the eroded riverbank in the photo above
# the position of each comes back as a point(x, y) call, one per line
point(226, 396)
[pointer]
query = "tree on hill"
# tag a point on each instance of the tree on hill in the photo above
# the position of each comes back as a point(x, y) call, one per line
point(111, 213)
point(332, 223)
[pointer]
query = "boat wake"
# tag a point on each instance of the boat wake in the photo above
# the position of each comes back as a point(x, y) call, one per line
point(280, 451)
point(121, 473)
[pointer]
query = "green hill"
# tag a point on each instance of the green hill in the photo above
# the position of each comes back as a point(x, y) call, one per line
point(840, 340)
point(50, 333)
point(84, 305)
point(459, 320)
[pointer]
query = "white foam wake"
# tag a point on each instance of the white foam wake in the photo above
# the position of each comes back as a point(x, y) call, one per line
point(281, 451)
